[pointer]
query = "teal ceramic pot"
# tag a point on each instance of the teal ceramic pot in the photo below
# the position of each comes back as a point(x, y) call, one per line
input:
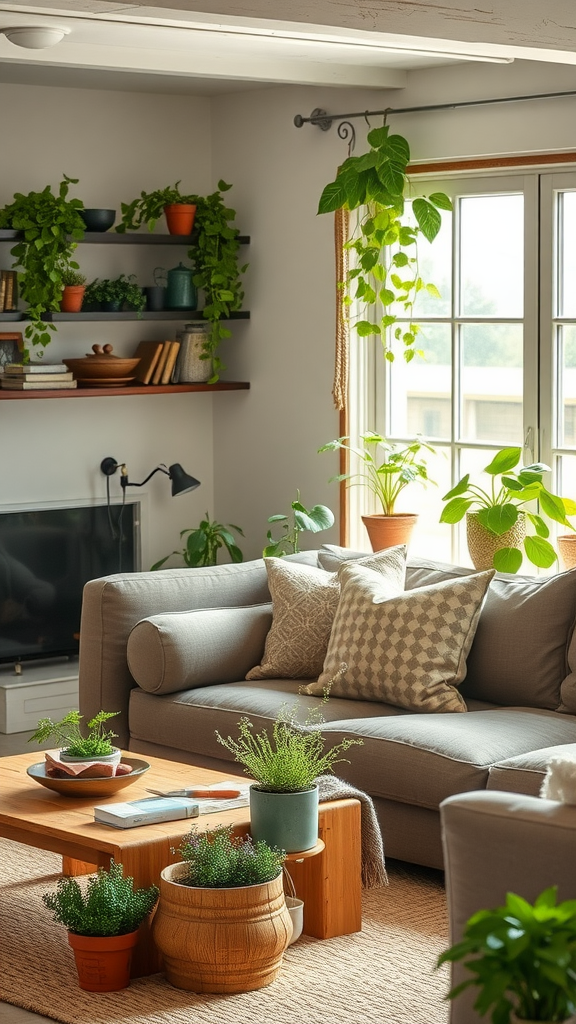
point(286, 820)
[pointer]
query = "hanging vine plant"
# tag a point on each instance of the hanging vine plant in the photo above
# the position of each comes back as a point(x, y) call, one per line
point(51, 226)
point(385, 275)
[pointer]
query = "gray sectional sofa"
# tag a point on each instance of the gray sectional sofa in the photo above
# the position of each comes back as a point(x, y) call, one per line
point(188, 669)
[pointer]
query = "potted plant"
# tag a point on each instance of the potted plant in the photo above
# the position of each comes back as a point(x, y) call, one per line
point(386, 469)
point(95, 746)
point(222, 923)
point(214, 254)
point(384, 275)
point(102, 924)
point(73, 291)
point(179, 210)
point(111, 295)
point(314, 519)
point(523, 958)
point(285, 765)
point(41, 254)
point(204, 543)
point(496, 519)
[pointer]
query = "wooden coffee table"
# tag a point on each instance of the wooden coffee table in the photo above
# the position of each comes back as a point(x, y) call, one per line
point(329, 883)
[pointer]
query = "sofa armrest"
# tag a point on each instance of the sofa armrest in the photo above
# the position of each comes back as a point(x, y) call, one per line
point(496, 843)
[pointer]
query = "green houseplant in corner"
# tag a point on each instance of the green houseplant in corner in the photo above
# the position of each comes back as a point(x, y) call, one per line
point(523, 960)
point(102, 923)
point(203, 544)
point(496, 519)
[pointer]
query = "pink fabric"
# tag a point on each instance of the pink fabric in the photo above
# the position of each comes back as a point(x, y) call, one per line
point(85, 770)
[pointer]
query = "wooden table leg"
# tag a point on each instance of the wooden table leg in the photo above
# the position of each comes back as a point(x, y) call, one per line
point(331, 883)
point(73, 867)
point(144, 863)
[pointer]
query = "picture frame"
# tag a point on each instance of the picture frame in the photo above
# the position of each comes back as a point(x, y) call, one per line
point(11, 348)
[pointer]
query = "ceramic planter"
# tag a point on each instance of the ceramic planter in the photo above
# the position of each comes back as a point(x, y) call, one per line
point(567, 549)
point(191, 368)
point(483, 545)
point(388, 531)
point(220, 940)
point(286, 820)
point(113, 758)
point(180, 218)
point(103, 962)
point(72, 297)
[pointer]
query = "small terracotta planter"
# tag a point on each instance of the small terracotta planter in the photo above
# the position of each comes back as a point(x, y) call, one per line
point(103, 962)
point(388, 531)
point(567, 549)
point(180, 218)
point(72, 296)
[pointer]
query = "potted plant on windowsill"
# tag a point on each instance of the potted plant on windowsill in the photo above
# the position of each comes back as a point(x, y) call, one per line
point(203, 544)
point(102, 924)
point(386, 475)
point(496, 519)
point(523, 958)
point(95, 746)
point(222, 923)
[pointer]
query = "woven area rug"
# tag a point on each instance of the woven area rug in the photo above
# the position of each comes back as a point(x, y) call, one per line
point(382, 975)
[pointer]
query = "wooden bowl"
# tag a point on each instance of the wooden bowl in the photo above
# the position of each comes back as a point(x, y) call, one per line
point(102, 365)
point(81, 788)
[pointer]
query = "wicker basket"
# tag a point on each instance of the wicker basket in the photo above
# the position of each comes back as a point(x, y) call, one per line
point(483, 545)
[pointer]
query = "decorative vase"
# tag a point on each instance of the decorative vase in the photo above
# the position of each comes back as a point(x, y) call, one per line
point(103, 962)
point(483, 545)
point(220, 940)
point(286, 820)
point(180, 218)
point(567, 549)
point(388, 531)
point(190, 367)
point(113, 758)
point(72, 296)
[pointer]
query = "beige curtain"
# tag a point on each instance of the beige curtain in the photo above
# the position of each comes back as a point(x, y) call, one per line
point(340, 386)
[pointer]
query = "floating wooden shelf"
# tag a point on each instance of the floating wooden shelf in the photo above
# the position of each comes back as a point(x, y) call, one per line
point(131, 314)
point(129, 238)
point(137, 389)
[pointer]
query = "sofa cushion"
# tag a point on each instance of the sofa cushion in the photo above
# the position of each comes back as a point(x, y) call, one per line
point(304, 602)
point(526, 772)
point(409, 650)
point(524, 651)
point(181, 650)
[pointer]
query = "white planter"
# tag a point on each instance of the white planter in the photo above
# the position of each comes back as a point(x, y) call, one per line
point(113, 758)
point(296, 911)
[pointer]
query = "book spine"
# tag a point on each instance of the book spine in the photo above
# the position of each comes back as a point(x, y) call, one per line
point(31, 368)
point(2, 289)
point(9, 306)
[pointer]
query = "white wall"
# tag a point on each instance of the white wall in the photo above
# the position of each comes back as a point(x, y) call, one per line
point(117, 144)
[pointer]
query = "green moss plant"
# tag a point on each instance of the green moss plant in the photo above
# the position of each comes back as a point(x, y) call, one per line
point(109, 905)
point(218, 859)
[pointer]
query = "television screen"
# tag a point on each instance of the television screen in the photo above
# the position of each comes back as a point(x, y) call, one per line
point(46, 557)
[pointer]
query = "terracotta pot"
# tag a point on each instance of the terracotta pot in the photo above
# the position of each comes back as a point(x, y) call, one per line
point(72, 296)
point(483, 545)
point(180, 218)
point(103, 962)
point(388, 531)
point(220, 940)
point(567, 549)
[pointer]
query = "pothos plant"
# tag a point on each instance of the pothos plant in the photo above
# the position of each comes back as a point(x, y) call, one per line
point(50, 227)
point(385, 274)
point(214, 254)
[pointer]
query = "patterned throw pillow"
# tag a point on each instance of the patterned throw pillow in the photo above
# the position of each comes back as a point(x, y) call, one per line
point(409, 651)
point(304, 602)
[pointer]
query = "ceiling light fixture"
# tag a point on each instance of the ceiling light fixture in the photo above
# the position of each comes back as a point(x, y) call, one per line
point(35, 37)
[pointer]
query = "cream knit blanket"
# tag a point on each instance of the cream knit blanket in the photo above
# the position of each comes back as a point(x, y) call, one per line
point(373, 868)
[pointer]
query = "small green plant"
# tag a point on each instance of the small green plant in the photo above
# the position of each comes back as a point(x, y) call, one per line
point(109, 905)
point(123, 290)
point(150, 206)
point(386, 475)
point(498, 509)
point(72, 278)
point(523, 958)
point(203, 544)
point(67, 734)
point(217, 859)
point(314, 519)
point(50, 226)
point(293, 757)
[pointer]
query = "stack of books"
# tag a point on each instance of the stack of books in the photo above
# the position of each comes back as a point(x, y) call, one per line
point(37, 377)
point(8, 292)
point(157, 361)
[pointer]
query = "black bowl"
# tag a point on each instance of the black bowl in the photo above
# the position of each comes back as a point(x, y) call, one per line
point(98, 220)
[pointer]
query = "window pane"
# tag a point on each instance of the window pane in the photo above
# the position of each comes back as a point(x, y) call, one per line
point(492, 383)
point(567, 254)
point(567, 395)
point(431, 538)
point(492, 280)
point(420, 391)
point(435, 267)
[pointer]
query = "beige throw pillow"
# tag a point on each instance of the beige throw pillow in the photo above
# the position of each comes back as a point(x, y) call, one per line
point(304, 602)
point(410, 650)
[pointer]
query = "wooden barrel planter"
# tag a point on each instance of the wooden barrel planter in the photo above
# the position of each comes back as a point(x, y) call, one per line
point(221, 940)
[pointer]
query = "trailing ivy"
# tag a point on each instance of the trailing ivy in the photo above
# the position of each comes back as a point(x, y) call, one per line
point(51, 226)
point(385, 274)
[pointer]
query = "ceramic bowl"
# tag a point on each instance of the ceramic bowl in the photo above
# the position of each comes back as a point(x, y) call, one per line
point(81, 788)
point(101, 365)
point(98, 220)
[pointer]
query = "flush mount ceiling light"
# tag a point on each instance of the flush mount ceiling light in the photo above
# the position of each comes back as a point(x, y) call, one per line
point(35, 37)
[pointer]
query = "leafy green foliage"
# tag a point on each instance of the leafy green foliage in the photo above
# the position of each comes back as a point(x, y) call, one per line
point(385, 476)
point(314, 519)
point(523, 958)
point(67, 734)
point(204, 543)
point(214, 254)
point(217, 859)
point(109, 905)
point(123, 290)
point(51, 226)
point(293, 757)
point(72, 278)
point(499, 508)
point(384, 241)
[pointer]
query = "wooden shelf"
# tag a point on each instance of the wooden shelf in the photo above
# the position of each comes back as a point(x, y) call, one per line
point(137, 389)
point(184, 315)
point(129, 238)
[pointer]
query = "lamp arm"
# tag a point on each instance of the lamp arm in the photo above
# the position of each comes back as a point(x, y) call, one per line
point(125, 482)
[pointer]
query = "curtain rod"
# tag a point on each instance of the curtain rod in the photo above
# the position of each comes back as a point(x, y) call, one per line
point(321, 119)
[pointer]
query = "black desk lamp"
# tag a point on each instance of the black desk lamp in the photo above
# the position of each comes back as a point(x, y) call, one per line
point(182, 483)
